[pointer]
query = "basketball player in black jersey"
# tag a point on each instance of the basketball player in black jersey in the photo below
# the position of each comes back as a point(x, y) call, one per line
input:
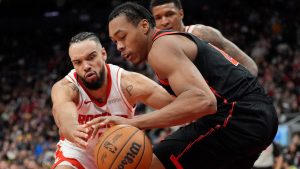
point(231, 119)
point(169, 14)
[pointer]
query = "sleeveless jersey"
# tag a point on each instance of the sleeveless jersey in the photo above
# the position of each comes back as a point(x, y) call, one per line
point(189, 29)
point(88, 108)
point(228, 80)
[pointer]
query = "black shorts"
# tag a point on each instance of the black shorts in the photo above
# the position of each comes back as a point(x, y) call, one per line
point(232, 138)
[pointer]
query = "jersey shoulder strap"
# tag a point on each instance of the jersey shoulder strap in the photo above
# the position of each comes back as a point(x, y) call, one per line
point(159, 33)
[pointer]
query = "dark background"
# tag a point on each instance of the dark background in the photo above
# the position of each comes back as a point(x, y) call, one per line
point(34, 36)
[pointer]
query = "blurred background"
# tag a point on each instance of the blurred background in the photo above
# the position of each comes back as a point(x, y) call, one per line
point(34, 38)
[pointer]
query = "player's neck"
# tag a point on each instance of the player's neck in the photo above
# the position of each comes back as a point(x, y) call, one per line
point(151, 37)
point(182, 27)
point(100, 94)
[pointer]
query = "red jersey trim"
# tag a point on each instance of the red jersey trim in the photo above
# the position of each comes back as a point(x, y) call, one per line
point(175, 159)
point(225, 101)
point(156, 36)
point(229, 58)
point(62, 158)
point(155, 33)
point(164, 82)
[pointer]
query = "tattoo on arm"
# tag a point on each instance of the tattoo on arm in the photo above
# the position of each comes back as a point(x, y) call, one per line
point(73, 87)
point(129, 89)
point(213, 37)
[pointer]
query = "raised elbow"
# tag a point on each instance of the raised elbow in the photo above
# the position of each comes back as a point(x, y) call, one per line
point(211, 105)
point(254, 70)
point(207, 102)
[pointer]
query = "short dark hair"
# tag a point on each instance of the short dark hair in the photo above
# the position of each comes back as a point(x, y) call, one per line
point(154, 3)
point(133, 12)
point(84, 36)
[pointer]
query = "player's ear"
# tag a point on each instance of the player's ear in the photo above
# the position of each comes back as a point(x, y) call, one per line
point(181, 13)
point(144, 24)
point(103, 53)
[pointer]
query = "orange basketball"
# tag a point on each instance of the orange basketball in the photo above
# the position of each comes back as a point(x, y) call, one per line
point(123, 147)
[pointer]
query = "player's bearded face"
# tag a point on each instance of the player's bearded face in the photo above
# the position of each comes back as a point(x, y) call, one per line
point(98, 83)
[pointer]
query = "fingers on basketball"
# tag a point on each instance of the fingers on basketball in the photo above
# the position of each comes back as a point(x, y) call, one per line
point(123, 146)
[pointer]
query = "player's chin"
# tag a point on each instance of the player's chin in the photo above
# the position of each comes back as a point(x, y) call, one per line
point(137, 62)
point(90, 81)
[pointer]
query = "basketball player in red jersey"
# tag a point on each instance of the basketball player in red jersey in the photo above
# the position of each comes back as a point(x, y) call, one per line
point(168, 14)
point(93, 89)
point(231, 118)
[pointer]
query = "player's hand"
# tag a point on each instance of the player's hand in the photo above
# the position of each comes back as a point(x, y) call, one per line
point(105, 122)
point(80, 135)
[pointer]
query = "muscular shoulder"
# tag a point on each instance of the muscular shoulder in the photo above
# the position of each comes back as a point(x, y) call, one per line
point(176, 50)
point(171, 44)
point(64, 83)
point(207, 33)
point(64, 89)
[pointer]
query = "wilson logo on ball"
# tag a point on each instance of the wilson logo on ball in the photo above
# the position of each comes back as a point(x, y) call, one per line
point(129, 157)
point(110, 147)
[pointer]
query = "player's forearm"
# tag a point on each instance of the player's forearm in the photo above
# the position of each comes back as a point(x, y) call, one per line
point(187, 107)
point(159, 99)
point(66, 119)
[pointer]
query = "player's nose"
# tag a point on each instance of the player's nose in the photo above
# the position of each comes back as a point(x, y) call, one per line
point(120, 46)
point(86, 66)
point(165, 21)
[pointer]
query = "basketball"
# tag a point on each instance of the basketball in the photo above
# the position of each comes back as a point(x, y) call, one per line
point(123, 147)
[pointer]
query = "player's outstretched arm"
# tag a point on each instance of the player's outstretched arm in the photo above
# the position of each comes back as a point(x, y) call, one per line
point(136, 88)
point(216, 38)
point(64, 97)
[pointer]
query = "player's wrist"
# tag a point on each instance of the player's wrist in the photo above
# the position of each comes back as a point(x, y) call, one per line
point(134, 122)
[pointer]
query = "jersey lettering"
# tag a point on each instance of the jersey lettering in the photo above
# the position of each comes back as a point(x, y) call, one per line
point(82, 118)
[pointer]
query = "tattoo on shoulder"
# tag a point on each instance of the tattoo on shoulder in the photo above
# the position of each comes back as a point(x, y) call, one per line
point(129, 89)
point(72, 86)
point(208, 34)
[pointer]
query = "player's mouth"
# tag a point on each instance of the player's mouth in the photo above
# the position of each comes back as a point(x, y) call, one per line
point(127, 56)
point(90, 76)
point(167, 28)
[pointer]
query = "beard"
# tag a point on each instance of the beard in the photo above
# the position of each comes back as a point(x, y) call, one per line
point(98, 83)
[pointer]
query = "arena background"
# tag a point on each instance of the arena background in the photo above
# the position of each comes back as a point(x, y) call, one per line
point(34, 38)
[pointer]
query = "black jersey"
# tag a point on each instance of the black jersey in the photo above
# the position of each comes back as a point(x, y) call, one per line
point(244, 125)
point(228, 80)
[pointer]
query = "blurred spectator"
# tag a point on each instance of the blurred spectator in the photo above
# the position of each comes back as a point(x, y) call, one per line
point(32, 57)
point(291, 154)
point(271, 158)
point(4, 164)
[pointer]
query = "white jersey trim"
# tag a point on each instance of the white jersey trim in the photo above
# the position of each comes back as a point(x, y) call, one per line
point(189, 29)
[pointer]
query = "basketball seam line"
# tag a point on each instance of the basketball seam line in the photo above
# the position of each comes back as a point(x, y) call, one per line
point(143, 150)
point(123, 147)
point(105, 139)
